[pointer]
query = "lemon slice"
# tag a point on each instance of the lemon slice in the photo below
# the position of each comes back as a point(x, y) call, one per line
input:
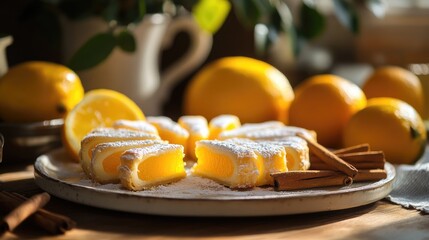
point(98, 108)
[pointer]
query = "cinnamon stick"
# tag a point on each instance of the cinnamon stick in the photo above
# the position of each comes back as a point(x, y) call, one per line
point(23, 211)
point(328, 157)
point(360, 160)
point(319, 165)
point(371, 156)
point(370, 175)
point(51, 222)
point(357, 148)
point(296, 180)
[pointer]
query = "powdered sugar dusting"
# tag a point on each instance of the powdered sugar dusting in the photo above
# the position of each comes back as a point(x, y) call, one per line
point(265, 149)
point(222, 121)
point(124, 143)
point(230, 147)
point(278, 133)
point(136, 153)
point(195, 125)
point(165, 123)
point(138, 125)
point(289, 141)
point(112, 132)
point(191, 187)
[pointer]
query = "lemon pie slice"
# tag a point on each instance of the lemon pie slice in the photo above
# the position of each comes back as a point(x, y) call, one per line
point(198, 130)
point(222, 123)
point(169, 130)
point(246, 128)
point(297, 153)
point(268, 133)
point(227, 163)
point(106, 158)
point(136, 125)
point(103, 135)
point(143, 168)
point(272, 157)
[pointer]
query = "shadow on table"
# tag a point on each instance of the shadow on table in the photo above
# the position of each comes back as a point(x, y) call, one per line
point(107, 222)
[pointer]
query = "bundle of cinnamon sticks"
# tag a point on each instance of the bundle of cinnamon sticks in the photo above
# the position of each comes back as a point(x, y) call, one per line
point(21, 208)
point(334, 168)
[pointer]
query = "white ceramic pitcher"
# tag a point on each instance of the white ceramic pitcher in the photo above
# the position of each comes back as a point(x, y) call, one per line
point(137, 74)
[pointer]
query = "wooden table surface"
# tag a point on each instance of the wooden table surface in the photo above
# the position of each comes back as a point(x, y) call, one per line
point(380, 220)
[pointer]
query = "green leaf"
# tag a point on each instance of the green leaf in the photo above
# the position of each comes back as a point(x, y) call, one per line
point(93, 52)
point(346, 14)
point(210, 14)
point(312, 21)
point(377, 7)
point(126, 41)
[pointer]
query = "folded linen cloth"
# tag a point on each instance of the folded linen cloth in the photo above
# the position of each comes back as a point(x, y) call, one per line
point(411, 186)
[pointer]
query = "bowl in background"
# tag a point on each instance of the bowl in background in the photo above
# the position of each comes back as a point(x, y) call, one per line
point(24, 142)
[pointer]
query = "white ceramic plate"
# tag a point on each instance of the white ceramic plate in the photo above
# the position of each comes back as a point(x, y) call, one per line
point(194, 196)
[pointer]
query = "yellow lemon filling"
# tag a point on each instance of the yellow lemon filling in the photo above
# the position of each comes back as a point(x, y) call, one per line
point(272, 159)
point(297, 153)
point(169, 130)
point(222, 123)
point(227, 163)
point(106, 158)
point(143, 168)
point(104, 135)
point(198, 130)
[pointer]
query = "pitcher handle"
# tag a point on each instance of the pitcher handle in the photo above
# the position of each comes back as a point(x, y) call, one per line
point(4, 42)
point(201, 44)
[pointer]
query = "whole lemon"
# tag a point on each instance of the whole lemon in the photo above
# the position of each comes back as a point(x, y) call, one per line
point(251, 89)
point(325, 103)
point(35, 91)
point(390, 125)
point(395, 82)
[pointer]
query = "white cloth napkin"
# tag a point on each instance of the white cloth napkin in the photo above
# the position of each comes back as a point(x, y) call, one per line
point(411, 186)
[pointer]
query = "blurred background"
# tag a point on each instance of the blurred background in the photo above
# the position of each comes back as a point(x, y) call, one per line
point(397, 34)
